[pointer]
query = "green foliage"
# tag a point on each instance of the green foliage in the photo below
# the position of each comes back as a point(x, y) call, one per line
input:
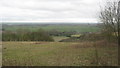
point(85, 37)
point(54, 29)
point(60, 33)
point(25, 35)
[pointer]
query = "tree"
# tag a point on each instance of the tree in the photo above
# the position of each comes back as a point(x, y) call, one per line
point(26, 35)
point(110, 17)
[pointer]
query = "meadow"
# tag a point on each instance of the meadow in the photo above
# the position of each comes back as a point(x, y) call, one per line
point(58, 54)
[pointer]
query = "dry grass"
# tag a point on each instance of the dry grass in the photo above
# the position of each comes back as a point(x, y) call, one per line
point(58, 54)
point(83, 45)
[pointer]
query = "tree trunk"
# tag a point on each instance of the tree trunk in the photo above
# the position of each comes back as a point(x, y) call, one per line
point(118, 32)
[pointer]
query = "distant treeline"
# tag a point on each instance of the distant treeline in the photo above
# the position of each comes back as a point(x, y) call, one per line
point(61, 33)
point(26, 35)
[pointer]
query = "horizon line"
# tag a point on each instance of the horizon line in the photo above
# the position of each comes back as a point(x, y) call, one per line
point(50, 22)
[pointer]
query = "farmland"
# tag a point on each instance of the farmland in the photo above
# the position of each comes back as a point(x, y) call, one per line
point(59, 27)
point(31, 46)
point(70, 33)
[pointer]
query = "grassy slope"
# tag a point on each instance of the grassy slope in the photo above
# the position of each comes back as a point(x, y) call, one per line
point(58, 38)
point(56, 53)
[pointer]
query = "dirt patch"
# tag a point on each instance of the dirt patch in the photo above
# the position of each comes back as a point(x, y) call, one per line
point(40, 42)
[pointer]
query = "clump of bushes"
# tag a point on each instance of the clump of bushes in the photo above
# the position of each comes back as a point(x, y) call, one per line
point(61, 33)
point(85, 37)
point(26, 35)
point(91, 37)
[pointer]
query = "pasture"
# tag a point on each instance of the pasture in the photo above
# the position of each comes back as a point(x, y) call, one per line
point(59, 27)
point(58, 54)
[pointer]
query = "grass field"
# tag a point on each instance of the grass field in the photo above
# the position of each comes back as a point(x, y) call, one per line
point(58, 27)
point(57, 54)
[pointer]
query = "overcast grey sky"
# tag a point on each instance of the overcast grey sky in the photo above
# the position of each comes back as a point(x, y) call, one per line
point(49, 10)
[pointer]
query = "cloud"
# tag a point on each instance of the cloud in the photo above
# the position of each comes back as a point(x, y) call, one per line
point(49, 10)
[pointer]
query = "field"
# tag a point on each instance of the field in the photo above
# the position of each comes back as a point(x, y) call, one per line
point(58, 54)
point(58, 27)
point(59, 38)
point(24, 51)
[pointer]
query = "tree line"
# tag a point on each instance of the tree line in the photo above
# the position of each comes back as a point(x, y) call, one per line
point(61, 33)
point(26, 35)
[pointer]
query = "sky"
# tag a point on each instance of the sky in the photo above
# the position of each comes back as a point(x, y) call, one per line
point(83, 11)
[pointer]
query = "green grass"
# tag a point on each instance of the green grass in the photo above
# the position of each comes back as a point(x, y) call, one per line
point(56, 54)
